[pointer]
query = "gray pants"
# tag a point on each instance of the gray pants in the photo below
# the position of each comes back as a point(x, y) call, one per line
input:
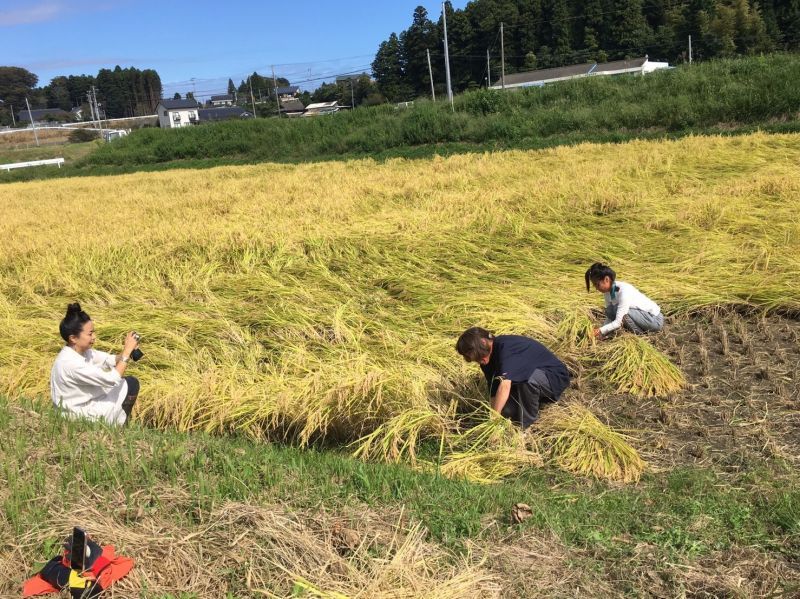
point(523, 402)
point(636, 321)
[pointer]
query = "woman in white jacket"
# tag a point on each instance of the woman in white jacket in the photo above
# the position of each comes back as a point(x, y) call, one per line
point(626, 306)
point(88, 383)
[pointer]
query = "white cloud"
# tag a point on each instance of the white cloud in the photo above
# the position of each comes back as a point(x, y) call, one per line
point(45, 11)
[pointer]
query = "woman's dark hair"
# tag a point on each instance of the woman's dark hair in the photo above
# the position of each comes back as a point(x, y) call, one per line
point(472, 344)
point(599, 271)
point(73, 322)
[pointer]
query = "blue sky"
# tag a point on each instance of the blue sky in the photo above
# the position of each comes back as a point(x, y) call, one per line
point(204, 40)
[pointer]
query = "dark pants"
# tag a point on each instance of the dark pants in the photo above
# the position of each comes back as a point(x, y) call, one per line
point(523, 402)
point(130, 399)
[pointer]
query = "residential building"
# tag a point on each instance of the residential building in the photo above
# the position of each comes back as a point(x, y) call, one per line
point(224, 100)
point(223, 113)
point(289, 91)
point(321, 108)
point(291, 107)
point(177, 113)
point(43, 115)
point(636, 66)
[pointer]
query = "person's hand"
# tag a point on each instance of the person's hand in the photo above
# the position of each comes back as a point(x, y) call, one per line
point(131, 343)
point(597, 334)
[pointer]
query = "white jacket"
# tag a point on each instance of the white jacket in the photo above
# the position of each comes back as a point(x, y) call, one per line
point(627, 298)
point(88, 385)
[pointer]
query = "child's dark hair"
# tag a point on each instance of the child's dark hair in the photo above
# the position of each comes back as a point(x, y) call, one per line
point(599, 271)
point(472, 344)
point(73, 322)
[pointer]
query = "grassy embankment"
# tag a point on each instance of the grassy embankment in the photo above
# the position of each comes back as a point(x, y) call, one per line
point(205, 516)
point(726, 96)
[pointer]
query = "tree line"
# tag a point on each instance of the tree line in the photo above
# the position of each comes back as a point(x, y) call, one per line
point(120, 92)
point(551, 33)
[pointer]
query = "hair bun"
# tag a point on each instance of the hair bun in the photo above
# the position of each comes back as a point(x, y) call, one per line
point(73, 309)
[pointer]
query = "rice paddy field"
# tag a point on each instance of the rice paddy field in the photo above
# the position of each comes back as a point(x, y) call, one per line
point(318, 306)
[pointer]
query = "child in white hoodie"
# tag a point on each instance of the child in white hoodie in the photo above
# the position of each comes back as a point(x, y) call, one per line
point(626, 306)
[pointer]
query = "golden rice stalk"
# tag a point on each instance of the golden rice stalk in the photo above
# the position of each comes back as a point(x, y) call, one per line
point(488, 467)
point(494, 432)
point(399, 437)
point(634, 366)
point(575, 330)
point(580, 443)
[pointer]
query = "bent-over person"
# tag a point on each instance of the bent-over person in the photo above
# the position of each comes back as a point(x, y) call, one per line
point(520, 372)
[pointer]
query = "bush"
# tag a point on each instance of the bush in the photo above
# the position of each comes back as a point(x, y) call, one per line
point(83, 135)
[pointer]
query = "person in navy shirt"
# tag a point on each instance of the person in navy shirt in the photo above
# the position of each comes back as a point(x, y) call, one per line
point(520, 372)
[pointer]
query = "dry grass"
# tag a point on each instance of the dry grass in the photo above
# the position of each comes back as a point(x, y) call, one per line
point(322, 301)
point(276, 554)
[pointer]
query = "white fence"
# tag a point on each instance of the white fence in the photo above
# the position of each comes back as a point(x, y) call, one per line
point(8, 167)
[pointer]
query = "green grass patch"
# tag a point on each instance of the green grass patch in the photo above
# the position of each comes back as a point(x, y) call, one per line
point(688, 512)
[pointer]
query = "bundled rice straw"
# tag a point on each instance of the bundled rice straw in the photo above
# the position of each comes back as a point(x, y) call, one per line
point(634, 366)
point(578, 442)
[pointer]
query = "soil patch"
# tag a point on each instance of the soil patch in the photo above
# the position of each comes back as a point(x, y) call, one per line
point(740, 407)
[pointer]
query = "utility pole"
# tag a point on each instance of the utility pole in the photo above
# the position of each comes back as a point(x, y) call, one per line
point(447, 60)
point(97, 109)
point(690, 49)
point(275, 86)
point(430, 74)
point(352, 94)
point(13, 120)
point(488, 71)
point(33, 123)
point(252, 98)
point(502, 59)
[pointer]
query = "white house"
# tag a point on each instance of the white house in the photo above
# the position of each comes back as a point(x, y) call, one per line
point(224, 100)
point(177, 113)
point(635, 66)
point(321, 108)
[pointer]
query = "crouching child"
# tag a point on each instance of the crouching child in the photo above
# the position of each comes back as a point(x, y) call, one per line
point(626, 306)
point(520, 372)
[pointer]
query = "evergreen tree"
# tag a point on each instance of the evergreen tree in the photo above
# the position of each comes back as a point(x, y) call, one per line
point(231, 88)
point(560, 32)
point(415, 42)
point(58, 94)
point(387, 68)
point(630, 33)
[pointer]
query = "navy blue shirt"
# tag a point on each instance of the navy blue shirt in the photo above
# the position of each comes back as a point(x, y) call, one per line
point(515, 357)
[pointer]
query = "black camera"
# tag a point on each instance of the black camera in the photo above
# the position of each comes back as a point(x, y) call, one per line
point(136, 354)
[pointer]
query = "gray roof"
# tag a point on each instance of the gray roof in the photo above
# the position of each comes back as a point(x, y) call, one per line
point(618, 65)
point(40, 114)
point(575, 70)
point(346, 78)
point(292, 105)
point(223, 113)
point(222, 98)
point(289, 90)
point(172, 104)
